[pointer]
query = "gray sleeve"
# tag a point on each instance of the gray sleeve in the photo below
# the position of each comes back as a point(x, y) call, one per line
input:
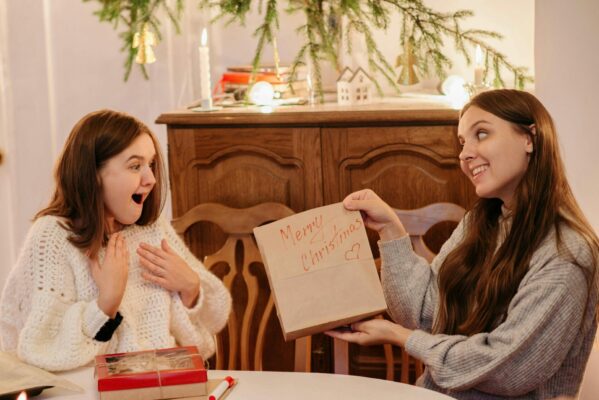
point(525, 350)
point(410, 282)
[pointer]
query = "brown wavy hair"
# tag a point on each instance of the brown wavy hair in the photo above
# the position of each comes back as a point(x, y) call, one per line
point(477, 283)
point(78, 196)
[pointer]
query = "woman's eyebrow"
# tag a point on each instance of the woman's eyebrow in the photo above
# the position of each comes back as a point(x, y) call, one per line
point(479, 122)
point(140, 158)
point(474, 125)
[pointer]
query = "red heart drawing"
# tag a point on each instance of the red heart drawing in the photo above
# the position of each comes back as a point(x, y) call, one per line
point(353, 254)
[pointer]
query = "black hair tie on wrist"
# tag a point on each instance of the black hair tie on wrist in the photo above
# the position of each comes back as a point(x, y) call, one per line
point(107, 330)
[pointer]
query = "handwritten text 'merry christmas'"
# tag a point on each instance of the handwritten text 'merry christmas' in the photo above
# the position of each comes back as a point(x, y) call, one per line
point(322, 240)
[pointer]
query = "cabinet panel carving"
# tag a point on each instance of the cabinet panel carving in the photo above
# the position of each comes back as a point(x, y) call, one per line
point(407, 170)
point(241, 167)
point(221, 179)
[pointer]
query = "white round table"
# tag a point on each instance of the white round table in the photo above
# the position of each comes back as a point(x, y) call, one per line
point(254, 385)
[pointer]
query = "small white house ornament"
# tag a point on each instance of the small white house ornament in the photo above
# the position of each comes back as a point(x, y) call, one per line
point(354, 87)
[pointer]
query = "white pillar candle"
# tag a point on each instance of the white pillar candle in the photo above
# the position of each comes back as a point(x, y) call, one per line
point(478, 66)
point(204, 67)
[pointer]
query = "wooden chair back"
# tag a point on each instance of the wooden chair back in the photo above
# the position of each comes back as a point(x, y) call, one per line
point(417, 223)
point(238, 224)
point(420, 220)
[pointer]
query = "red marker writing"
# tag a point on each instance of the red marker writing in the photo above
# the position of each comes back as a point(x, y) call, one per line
point(221, 388)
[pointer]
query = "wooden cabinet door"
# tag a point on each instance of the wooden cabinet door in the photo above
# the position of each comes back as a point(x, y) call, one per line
point(408, 167)
point(241, 167)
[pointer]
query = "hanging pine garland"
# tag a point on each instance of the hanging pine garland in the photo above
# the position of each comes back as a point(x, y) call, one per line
point(423, 32)
point(138, 17)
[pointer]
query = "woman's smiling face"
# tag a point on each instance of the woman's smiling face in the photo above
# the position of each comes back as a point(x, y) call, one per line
point(494, 153)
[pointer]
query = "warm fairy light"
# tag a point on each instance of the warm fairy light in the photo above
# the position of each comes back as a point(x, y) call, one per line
point(204, 39)
point(262, 94)
point(453, 88)
point(22, 396)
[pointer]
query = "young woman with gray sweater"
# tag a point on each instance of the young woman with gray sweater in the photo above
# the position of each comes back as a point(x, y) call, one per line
point(508, 307)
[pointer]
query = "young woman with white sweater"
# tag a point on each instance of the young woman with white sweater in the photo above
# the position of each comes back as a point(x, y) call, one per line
point(508, 308)
point(100, 270)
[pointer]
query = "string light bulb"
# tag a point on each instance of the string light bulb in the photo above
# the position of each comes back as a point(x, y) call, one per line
point(262, 94)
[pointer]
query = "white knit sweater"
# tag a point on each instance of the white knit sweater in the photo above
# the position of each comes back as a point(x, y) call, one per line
point(49, 315)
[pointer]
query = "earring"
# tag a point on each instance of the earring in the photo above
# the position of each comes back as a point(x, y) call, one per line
point(533, 129)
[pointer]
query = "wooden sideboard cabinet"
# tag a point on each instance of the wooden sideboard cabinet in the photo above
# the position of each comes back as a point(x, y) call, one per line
point(306, 157)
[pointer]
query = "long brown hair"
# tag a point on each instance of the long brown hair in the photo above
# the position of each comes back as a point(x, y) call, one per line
point(477, 283)
point(95, 139)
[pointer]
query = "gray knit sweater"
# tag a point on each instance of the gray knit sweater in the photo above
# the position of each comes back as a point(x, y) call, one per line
point(538, 352)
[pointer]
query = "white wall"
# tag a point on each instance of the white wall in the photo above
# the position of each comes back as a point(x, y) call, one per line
point(567, 82)
point(59, 63)
point(7, 245)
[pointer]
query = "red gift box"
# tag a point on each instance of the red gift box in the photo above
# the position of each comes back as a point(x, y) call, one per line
point(177, 372)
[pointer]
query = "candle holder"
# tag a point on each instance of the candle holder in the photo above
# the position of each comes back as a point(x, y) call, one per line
point(206, 106)
point(473, 89)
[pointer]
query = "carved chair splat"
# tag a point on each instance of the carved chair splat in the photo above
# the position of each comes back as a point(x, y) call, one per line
point(238, 225)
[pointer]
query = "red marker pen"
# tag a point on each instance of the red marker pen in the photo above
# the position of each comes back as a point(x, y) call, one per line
point(221, 388)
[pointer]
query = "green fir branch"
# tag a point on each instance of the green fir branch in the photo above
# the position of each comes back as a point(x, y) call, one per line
point(133, 14)
point(425, 28)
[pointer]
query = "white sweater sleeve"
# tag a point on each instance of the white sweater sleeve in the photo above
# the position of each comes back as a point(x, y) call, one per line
point(212, 309)
point(44, 323)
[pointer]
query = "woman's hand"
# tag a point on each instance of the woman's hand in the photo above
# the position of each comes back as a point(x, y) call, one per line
point(374, 331)
point(164, 267)
point(111, 277)
point(377, 214)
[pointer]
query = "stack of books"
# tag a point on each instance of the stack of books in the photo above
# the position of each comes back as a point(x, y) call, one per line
point(175, 373)
point(236, 81)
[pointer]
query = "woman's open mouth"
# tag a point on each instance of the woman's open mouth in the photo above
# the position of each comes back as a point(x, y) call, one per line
point(138, 198)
